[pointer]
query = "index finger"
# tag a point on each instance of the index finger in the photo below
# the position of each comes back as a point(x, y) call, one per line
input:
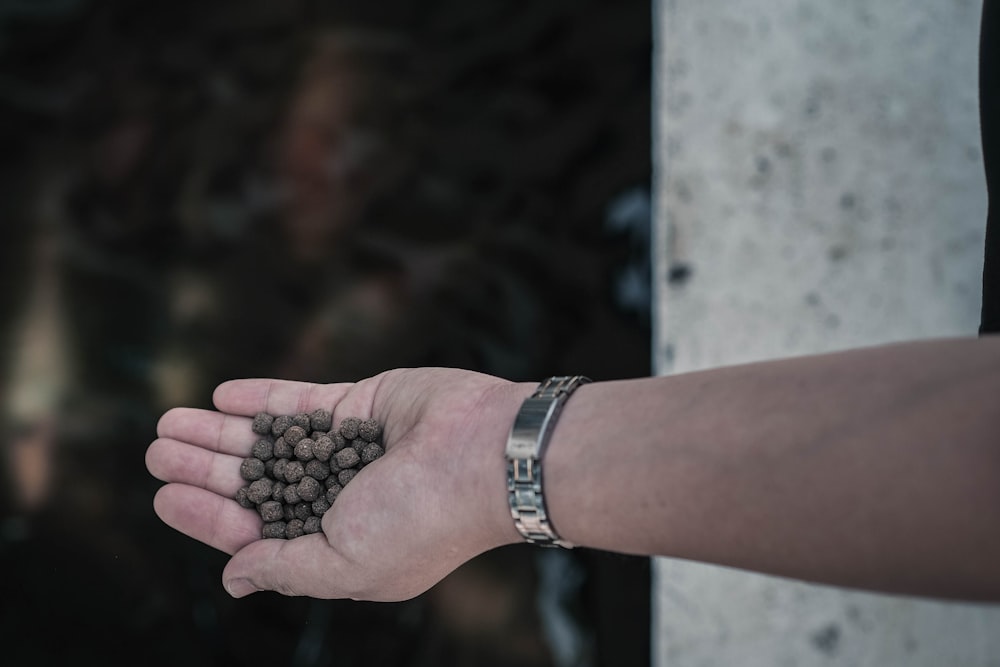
point(277, 397)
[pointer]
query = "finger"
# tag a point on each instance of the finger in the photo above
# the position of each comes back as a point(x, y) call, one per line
point(212, 430)
point(303, 566)
point(173, 461)
point(277, 397)
point(207, 517)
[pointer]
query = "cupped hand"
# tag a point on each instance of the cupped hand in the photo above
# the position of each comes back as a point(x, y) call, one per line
point(434, 500)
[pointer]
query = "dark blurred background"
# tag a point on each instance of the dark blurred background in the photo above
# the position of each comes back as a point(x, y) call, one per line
point(196, 191)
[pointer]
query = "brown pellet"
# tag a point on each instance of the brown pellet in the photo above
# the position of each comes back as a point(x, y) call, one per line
point(339, 441)
point(312, 525)
point(294, 529)
point(331, 482)
point(263, 449)
point(304, 449)
point(278, 491)
point(320, 506)
point(369, 430)
point(302, 511)
point(321, 419)
point(317, 470)
point(260, 490)
point(349, 428)
point(270, 510)
point(347, 458)
point(282, 450)
point(289, 511)
point(345, 476)
point(371, 452)
point(294, 434)
point(294, 471)
point(262, 423)
point(280, 425)
point(275, 529)
point(309, 489)
point(243, 500)
point(302, 420)
point(292, 494)
point(251, 469)
point(323, 448)
point(279, 469)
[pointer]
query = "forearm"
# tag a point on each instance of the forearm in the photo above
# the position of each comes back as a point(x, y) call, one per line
point(877, 468)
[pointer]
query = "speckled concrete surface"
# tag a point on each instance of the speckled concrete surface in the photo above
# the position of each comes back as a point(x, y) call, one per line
point(819, 186)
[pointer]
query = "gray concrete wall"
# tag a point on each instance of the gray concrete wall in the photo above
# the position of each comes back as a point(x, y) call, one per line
point(819, 186)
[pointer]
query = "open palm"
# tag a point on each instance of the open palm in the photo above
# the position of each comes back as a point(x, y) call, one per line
point(436, 499)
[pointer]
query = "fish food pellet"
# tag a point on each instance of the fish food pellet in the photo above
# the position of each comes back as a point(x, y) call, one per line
point(294, 471)
point(298, 467)
point(323, 448)
point(280, 425)
point(294, 434)
point(317, 470)
point(371, 452)
point(349, 428)
point(312, 525)
point(347, 458)
point(251, 469)
point(260, 490)
point(271, 510)
point(294, 529)
point(274, 529)
point(321, 420)
point(262, 423)
point(309, 489)
point(282, 449)
point(263, 450)
point(369, 430)
point(304, 449)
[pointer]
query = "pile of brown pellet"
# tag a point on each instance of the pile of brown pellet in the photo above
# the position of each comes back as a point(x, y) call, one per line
point(298, 466)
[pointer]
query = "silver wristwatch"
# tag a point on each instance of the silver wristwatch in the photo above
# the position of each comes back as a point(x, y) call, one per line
point(526, 445)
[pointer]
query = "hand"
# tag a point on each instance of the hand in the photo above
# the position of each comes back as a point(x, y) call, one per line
point(435, 499)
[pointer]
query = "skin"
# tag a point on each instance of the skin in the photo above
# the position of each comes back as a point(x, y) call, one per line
point(875, 468)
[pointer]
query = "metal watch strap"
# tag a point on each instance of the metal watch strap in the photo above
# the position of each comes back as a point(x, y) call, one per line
point(529, 436)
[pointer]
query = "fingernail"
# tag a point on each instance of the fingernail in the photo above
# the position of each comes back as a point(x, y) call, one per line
point(240, 587)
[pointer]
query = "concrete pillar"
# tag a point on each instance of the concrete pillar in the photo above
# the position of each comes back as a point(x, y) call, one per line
point(819, 186)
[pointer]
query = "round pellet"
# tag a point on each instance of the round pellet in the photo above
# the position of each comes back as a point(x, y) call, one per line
point(321, 419)
point(320, 506)
point(294, 471)
point(347, 458)
point(323, 448)
point(349, 428)
point(260, 490)
point(251, 469)
point(304, 449)
point(294, 434)
point(302, 421)
point(292, 494)
point(369, 430)
point(262, 423)
point(309, 489)
point(270, 510)
point(345, 476)
point(332, 492)
point(303, 511)
point(280, 425)
point(317, 470)
point(294, 529)
point(371, 452)
point(275, 529)
point(282, 450)
point(243, 500)
point(263, 449)
point(312, 525)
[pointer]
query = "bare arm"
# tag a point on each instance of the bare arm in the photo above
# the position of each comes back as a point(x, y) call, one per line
point(876, 468)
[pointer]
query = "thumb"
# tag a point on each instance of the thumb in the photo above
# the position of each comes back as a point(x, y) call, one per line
point(303, 566)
